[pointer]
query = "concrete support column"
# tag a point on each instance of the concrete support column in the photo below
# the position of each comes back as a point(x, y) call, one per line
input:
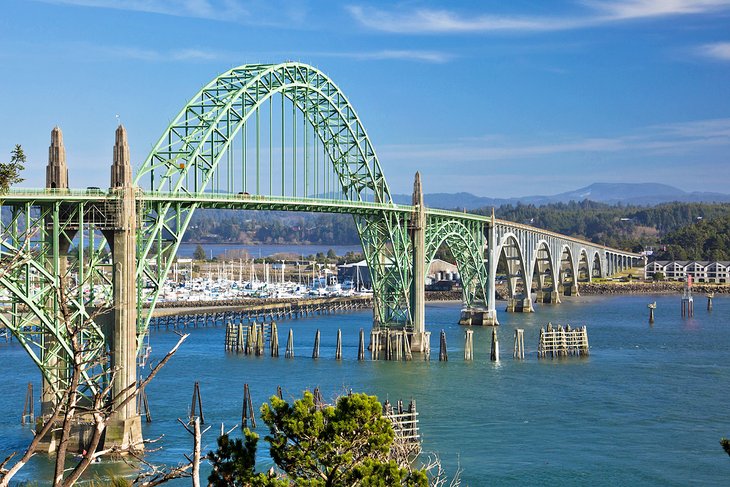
point(418, 286)
point(125, 427)
point(493, 259)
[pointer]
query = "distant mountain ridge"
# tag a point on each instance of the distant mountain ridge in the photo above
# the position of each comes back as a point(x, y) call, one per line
point(643, 194)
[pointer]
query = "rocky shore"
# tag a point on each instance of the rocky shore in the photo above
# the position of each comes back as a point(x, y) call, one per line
point(640, 287)
point(599, 288)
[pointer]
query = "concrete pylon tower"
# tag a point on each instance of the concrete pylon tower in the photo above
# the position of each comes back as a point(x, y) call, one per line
point(56, 170)
point(418, 288)
point(125, 427)
point(121, 167)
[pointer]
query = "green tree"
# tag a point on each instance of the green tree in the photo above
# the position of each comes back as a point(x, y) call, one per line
point(234, 463)
point(348, 444)
point(331, 254)
point(10, 172)
point(199, 252)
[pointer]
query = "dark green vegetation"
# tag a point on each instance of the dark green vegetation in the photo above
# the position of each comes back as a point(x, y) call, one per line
point(10, 171)
point(317, 445)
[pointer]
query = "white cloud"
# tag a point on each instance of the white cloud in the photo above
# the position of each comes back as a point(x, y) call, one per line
point(654, 140)
point(719, 51)
point(638, 9)
point(424, 20)
point(257, 12)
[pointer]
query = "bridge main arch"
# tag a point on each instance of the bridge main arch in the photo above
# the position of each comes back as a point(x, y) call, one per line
point(208, 148)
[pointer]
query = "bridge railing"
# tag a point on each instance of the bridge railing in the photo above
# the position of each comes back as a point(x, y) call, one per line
point(286, 200)
point(54, 193)
point(563, 237)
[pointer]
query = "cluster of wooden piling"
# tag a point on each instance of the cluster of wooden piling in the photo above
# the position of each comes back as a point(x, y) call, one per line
point(251, 339)
point(562, 341)
point(387, 344)
point(394, 344)
point(276, 311)
point(407, 437)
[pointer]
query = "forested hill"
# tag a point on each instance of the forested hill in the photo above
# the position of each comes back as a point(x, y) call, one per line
point(674, 230)
point(693, 231)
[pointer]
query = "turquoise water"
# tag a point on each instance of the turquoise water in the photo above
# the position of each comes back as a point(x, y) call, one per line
point(648, 407)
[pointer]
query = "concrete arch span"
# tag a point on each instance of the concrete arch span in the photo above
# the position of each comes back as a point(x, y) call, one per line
point(510, 254)
point(544, 274)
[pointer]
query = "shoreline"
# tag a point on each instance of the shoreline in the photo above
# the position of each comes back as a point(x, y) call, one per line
point(661, 287)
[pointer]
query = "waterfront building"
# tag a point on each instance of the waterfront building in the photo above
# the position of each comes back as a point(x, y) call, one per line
point(701, 271)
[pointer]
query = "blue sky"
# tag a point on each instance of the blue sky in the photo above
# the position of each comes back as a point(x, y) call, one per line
point(496, 98)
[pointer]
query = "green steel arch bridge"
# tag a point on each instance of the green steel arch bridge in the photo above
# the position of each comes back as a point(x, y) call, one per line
point(264, 137)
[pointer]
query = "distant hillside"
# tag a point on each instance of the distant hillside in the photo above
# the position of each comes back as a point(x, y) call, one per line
point(640, 194)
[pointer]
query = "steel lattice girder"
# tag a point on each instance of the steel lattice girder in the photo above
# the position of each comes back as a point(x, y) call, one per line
point(466, 240)
point(46, 288)
point(189, 153)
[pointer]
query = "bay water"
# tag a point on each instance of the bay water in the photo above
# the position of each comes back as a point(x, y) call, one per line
point(647, 407)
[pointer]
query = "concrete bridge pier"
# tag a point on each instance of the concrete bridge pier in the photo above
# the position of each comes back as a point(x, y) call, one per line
point(519, 304)
point(124, 430)
point(418, 286)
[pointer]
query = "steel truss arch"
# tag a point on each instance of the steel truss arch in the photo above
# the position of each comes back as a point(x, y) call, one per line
point(466, 241)
point(196, 140)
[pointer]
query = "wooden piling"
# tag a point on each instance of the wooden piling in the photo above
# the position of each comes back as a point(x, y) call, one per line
point(361, 346)
point(274, 340)
point(407, 355)
point(197, 401)
point(469, 345)
point(289, 353)
point(443, 353)
point(374, 344)
point(338, 349)
point(494, 355)
point(318, 400)
point(388, 344)
point(709, 301)
point(652, 307)
point(250, 337)
point(315, 350)
point(247, 412)
point(28, 416)
point(260, 341)
point(240, 339)
point(519, 349)
point(143, 405)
